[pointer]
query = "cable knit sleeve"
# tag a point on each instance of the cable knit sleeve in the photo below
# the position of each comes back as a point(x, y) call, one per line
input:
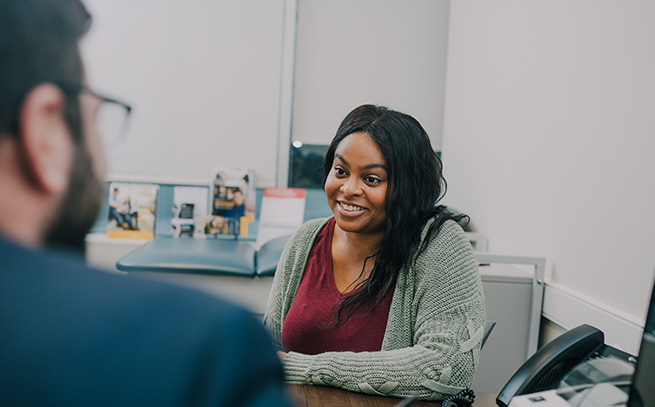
point(433, 336)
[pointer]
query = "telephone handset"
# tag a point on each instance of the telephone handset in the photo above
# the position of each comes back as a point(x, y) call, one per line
point(545, 369)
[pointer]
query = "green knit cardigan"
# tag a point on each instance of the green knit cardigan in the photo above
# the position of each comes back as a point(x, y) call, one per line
point(434, 331)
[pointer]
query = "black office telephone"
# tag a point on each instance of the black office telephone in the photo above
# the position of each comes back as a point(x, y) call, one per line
point(545, 369)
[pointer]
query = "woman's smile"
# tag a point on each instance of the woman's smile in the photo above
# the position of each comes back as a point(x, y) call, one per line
point(350, 210)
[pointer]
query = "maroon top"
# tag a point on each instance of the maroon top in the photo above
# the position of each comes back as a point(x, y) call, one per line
point(308, 326)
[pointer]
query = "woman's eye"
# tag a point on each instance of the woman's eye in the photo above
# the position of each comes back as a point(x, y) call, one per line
point(372, 180)
point(339, 171)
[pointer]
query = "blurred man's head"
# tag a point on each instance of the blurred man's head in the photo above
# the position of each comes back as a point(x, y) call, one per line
point(238, 198)
point(51, 161)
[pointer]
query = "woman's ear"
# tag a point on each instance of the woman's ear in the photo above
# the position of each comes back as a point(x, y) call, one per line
point(45, 141)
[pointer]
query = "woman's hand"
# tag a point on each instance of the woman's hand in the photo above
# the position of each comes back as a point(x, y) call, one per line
point(281, 355)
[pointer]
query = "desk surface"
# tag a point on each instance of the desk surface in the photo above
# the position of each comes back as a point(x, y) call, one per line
point(310, 396)
point(205, 256)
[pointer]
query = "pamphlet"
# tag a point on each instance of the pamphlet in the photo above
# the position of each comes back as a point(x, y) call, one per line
point(233, 200)
point(131, 210)
point(283, 211)
point(189, 211)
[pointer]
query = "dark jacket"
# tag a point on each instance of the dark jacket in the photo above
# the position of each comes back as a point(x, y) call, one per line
point(70, 335)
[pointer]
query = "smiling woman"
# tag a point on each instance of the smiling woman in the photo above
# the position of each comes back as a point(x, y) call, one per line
point(385, 296)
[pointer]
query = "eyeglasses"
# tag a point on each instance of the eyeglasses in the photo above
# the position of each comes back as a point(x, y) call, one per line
point(112, 117)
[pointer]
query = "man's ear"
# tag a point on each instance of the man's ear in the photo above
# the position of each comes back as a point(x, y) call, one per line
point(45, 141)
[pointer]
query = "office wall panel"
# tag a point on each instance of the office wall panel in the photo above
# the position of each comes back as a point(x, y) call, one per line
point(203, 77)
point(548, 138)
point(383, 52)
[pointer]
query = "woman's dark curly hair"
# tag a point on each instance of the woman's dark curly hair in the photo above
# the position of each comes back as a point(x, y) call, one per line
point(415, 186)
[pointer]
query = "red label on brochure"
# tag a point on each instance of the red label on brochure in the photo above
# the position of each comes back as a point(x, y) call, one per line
point(284, 192)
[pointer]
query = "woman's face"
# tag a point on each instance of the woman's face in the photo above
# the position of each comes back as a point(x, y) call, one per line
point(356, 186)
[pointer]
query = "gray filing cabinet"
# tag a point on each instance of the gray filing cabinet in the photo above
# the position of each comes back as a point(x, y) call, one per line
point(513, 290)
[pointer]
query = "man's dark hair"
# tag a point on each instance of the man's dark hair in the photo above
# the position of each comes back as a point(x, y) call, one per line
point(39, 44)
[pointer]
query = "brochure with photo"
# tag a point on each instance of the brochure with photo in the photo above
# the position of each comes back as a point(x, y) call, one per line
point(233, 200)
point(131, 210)
point(189, 211)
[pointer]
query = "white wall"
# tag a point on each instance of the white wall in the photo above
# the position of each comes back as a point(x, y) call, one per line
point(203, 78)
point(549, 138)
point(384, 52)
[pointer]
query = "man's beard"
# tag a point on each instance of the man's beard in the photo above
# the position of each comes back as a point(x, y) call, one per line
point(79, 207)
